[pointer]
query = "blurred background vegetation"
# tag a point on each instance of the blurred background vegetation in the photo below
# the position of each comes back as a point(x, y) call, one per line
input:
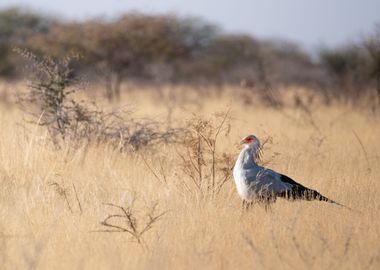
point(162, 49)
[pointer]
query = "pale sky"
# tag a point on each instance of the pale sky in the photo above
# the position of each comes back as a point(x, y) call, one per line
point(309, 22)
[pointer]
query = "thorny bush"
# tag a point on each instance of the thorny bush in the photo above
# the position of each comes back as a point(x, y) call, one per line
point(50, 100)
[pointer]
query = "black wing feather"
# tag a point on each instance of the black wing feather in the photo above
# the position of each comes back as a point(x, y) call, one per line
point(300, 192)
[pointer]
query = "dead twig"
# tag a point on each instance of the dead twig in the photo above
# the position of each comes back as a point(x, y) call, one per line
point(128, 222)
point(363, 148)
point(77, 198)
point(62, 191)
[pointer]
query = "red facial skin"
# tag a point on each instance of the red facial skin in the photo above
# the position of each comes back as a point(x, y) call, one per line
point(248, 140)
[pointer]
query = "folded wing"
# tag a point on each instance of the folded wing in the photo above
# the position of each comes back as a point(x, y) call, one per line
point(265, 180)
point(261, 179)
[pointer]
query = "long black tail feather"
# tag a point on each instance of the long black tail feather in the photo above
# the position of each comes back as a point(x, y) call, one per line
point(300, 192)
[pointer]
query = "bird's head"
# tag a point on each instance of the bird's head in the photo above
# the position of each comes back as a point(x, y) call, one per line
point(253, 143)
point(250, 140)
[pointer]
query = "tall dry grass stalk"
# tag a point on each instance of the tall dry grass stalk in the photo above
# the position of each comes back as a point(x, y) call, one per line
point(53, 200)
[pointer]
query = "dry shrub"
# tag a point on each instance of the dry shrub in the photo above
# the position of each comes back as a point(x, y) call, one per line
point(202, 161)
point(65, 193)
point(50, 100)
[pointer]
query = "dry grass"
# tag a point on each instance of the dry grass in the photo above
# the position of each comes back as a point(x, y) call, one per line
point(53, 201)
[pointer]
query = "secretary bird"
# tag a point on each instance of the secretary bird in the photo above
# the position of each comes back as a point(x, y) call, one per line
point(255, 183)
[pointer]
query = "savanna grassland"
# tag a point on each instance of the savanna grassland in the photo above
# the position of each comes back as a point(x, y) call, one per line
point(55, 201)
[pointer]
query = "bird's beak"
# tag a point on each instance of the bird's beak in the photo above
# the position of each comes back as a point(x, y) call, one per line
point(242, 142)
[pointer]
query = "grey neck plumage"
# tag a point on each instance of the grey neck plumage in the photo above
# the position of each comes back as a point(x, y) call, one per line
point(247, 156)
